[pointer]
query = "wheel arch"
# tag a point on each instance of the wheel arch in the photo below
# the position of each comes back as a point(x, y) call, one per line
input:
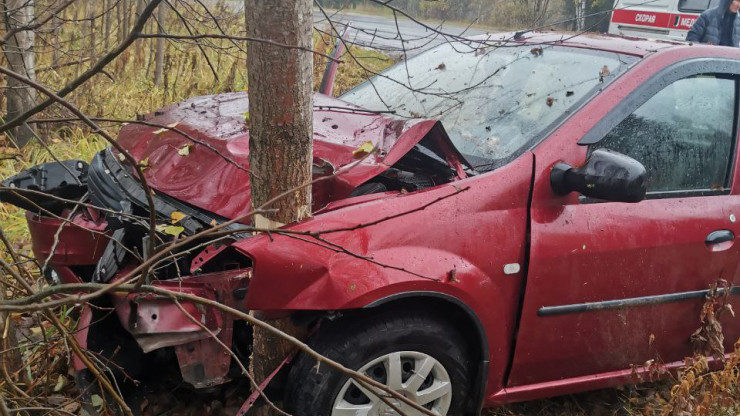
point(451, 307)
point(416, 298)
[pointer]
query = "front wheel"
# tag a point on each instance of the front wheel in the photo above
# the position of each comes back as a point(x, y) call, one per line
point(422, 357)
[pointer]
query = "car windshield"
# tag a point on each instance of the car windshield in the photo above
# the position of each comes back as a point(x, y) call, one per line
point(494, 101)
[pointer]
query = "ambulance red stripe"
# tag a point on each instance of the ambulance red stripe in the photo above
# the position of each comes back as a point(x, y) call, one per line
point(654, 19)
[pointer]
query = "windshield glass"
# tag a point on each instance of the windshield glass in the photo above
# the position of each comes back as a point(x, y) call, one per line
point(492, 101)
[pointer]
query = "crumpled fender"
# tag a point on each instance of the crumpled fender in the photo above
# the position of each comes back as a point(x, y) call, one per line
point(428, 240)
point(454, 239)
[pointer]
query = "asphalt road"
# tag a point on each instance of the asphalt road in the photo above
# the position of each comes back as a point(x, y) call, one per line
point(383, 32)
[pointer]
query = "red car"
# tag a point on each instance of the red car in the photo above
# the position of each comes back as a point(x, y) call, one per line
point(545, 215)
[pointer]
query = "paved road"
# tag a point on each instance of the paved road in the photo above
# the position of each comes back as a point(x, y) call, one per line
point(381, 32)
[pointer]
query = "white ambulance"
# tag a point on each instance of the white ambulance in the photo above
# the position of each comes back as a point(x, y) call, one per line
point(656, 19)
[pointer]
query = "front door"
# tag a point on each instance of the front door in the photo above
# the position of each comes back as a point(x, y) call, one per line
point(612, 285)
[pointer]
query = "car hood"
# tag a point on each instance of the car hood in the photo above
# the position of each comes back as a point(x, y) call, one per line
point(203, 158)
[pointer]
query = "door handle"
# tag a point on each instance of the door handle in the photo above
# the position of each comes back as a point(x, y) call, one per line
point(719, 236)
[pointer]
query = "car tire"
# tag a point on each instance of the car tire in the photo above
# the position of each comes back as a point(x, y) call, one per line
point(375, 345)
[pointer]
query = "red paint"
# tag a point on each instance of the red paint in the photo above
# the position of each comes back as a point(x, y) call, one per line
point(641, 17)
point(473, 225)
point(204, 179)
point(81, 240)
point(83, 327)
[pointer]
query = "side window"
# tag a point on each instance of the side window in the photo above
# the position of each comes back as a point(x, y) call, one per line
point(683, 135)
point(696, 6)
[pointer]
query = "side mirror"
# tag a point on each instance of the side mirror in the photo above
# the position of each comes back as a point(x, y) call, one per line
point(606, 175)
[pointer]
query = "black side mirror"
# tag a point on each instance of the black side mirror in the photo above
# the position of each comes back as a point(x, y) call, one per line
point(606, 175)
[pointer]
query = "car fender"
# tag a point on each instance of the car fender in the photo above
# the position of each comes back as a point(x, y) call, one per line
point(455, 239)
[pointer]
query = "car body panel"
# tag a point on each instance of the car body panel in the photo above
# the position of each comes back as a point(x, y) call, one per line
point(461, 254)
point(613, 251)
point(214, 174)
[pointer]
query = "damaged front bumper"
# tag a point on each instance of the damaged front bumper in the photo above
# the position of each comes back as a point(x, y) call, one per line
point(104, 238)
point(201, 335)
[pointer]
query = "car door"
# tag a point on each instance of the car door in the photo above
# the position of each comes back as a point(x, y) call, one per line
point(613, 285)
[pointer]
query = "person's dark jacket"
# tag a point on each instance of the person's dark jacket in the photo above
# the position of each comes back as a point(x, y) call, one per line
point(708, 27)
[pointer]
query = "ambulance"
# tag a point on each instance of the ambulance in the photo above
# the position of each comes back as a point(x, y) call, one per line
point(657, 19)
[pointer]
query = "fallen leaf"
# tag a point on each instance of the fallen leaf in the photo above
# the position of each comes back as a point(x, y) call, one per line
point(246, 116)
point(213, 223)
point(60, 383)
point(442, 66)
point(166, 129)
point(536, 51)
point(604, 73)
point(176, 216)
point(185, 150)
point(144, 163)
point(569, 93)
point(96, 401)
point(121, 157)
point(549, 101)
point(173, 230)
point(364, 149)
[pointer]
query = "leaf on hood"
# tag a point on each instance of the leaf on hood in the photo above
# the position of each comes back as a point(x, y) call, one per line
point(166, 129)
point(185, 150)
point(364, 149)
point(144, 163)
point(173, 230)
point(176, 216)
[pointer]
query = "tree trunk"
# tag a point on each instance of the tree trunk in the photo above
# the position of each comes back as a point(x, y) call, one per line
point(106, 24)
point(139, 58)
point(281, 130)
point(90, 14)
point(21, 59)
point(126, 17)
point(159, 54)
point(56, 43)
point(119, 18)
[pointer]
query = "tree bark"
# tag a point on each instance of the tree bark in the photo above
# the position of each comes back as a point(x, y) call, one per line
point(281, 130)
point(139, 55)
point(21, 59)
point(106, 24)
point(90, 14)
point(159, 53)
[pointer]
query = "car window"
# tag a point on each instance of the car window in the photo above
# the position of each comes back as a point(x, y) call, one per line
point(492, 102)
point(683, 135)
point(696, 5)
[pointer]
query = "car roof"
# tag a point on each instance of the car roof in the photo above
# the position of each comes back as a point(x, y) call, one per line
point(605, 42)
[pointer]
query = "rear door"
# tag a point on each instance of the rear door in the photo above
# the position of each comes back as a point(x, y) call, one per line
point(613, 285)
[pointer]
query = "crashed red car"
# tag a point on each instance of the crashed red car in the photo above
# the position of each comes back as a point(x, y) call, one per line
point(545, 215)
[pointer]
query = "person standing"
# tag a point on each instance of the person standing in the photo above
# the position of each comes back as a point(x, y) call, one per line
point(718, 25)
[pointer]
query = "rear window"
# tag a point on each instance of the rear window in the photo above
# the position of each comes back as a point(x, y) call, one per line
point(696, 6)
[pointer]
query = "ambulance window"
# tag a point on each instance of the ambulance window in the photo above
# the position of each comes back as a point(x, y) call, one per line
point(696, 5)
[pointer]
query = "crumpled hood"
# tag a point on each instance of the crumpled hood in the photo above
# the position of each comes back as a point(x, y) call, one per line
point(213, 174)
